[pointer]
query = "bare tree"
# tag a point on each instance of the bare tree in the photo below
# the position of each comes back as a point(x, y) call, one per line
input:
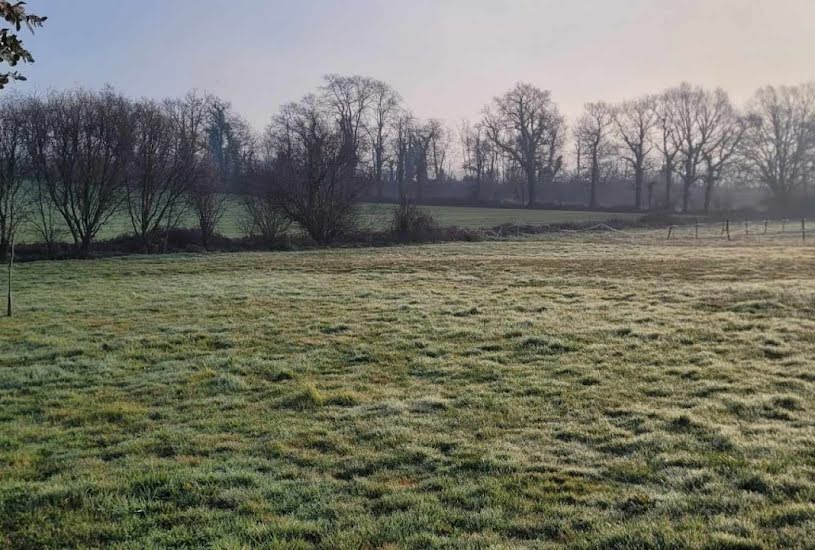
point(594, 132)
point(438, 148)
point(779, 143)
point(478, 157)
point(159, 171)
point(206, 200)
point(45, 217)
point(385, 109)
point(635, 122)
point(265, 218)
point(14, 165)
point(404, 128)
point(522, 124)
point(349, 100)
point(664, 142)
point(721, 150)
point(81, 154)
point(698, 117)
point(191, 160)
point(318, 187)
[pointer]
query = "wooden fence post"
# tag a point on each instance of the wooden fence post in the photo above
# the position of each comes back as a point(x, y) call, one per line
point(765, 226)
point(803, 229)
point(10, 269)
point(670, 230)
point(746, 228)
point(727, 227)
point(696, 229)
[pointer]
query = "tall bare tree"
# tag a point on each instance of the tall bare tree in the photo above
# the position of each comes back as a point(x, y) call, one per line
point(168, 158)
point(698, 117)
point(720, 151)
point(664, 142)
point(635, 122)
point(779, 144)
point(439, 148)
point(81, 153)
point(190, 117)
point(595, 131)
point(45, 217)
point(349, 100)
point(478, 156)
point(404, 128)
point(525, 125)
point(14, 167)
point(385, 109)
point(150, 186)
point(318, 186)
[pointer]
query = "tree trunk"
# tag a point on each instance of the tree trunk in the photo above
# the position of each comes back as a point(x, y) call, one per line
point(10, 271)
point(530, 183)
point(685, 194)
point(84, 246)
point(595, 177)
point(380, 184)
point(638, 180)
point(708, 193)
point(669, 169)
point(782, 200)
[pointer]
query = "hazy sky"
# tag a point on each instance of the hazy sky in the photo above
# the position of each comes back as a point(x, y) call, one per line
point(446, 57)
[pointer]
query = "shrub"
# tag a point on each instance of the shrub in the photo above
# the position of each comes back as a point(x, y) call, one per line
point(412, 224)
point(264, 220)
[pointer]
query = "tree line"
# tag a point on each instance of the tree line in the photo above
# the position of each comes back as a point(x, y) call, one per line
point(71, 160)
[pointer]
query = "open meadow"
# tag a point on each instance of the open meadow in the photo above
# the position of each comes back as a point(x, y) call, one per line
point(587, 391)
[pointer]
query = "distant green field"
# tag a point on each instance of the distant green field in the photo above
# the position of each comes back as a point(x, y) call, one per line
point(378, 216)
point(473, 217)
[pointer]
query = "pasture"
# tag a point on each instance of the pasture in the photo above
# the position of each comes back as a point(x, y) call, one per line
point(376, 216)
point(538, 392)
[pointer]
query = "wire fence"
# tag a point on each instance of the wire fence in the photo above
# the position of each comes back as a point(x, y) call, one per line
point(800, 230)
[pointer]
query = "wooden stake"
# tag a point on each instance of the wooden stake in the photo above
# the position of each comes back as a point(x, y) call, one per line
point(803, 229)
point(10, 269)
point(727, 228)
point(670, 230)
point(696, 228)
point(765, 227)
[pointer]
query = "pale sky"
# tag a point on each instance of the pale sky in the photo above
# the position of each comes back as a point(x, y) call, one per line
point(446, 57)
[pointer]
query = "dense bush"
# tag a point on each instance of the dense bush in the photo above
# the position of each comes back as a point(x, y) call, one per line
point(413, 224)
